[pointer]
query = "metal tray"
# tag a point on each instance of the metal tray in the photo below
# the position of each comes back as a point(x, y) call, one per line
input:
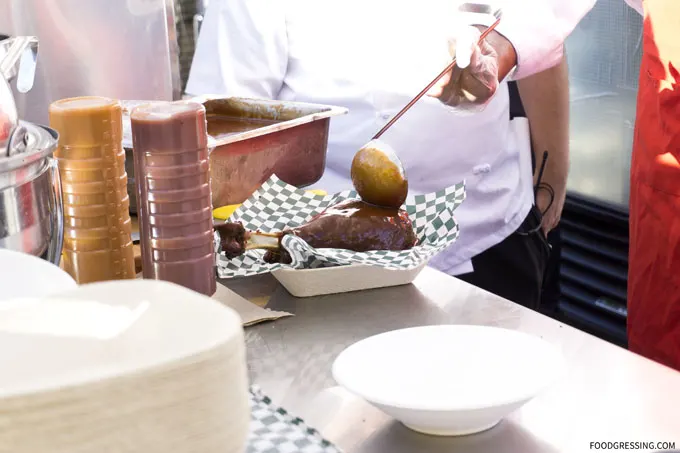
point(294, 148)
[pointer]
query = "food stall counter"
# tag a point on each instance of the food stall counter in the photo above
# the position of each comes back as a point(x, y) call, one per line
point(608, 398)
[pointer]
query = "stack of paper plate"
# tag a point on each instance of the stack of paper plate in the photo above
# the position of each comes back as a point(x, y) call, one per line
point(134, 366)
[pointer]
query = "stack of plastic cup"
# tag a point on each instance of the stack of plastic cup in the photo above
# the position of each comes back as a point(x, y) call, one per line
point(174, 206)
point(97, 226)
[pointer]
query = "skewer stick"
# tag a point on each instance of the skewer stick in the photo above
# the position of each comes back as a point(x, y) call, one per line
point(262, 247)
point(429, 86)
point(267, 235)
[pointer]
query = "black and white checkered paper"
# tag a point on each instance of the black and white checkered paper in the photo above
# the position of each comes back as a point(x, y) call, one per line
point(274, 430)
point(277, 205)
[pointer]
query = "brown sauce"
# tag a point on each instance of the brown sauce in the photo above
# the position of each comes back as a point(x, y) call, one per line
point(171, 164)
point(358, 226)
point(88, 132)
point(358, 208)
point(224, 126)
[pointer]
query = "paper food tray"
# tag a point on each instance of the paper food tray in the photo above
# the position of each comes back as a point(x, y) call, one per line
point(343, 279)
point(276, 206)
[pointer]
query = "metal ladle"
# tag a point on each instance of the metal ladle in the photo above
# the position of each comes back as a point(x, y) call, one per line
point(377, 173)
point(19, 57)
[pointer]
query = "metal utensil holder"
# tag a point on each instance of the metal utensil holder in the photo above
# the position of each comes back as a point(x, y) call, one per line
point(30, 170)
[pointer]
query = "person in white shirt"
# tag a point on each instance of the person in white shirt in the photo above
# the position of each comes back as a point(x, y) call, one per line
point(373, 56)
point(654, 212)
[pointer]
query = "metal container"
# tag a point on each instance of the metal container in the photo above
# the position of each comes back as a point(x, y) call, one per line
point(31, 211)
point(17, 61)
point(293, 147)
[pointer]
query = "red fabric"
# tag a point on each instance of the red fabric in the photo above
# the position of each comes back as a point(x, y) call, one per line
point(654, 265)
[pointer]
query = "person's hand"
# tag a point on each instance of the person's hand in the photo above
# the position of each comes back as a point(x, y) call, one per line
point(474, 79)
point(552, 212)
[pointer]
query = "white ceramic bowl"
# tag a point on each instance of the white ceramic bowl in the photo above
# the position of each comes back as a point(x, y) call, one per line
point(24, 275)
point(448, 380)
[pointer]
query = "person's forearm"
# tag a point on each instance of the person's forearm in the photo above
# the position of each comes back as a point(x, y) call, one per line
point(535, 30)
point(507, 57)
point(545, 97)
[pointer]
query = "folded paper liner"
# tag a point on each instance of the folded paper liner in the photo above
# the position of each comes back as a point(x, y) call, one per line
point(251, 313)
point(276, 206)
point(162, 370)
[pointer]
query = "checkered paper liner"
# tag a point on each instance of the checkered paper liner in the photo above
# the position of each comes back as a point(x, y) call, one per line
point(274, 430)
point(277, 205)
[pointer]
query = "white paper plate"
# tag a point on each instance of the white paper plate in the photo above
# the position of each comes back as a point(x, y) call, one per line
point(342, 279)
point(448, 380)
point(127, 365)
point(24, 275)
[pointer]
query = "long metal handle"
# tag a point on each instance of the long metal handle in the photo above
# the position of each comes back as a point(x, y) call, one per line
point(430, 85)
point(56, 216)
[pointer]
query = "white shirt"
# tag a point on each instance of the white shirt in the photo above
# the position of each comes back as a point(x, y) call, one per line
point(373, 56)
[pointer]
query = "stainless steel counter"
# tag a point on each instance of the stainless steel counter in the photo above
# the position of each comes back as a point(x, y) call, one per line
point(609, 394)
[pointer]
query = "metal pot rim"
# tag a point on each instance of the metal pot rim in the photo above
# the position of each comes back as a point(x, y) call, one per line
point(42, 143)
